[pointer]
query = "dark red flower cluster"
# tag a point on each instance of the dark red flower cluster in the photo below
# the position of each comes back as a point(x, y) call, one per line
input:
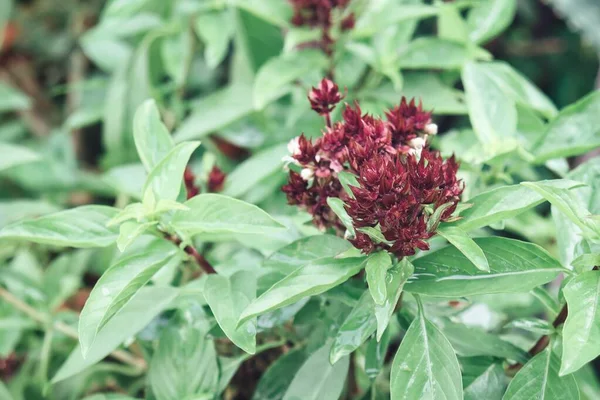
point(214, 182)
point(319, 13)
point(402, 182)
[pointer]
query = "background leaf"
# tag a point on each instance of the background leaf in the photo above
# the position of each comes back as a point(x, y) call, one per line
point(83, 226)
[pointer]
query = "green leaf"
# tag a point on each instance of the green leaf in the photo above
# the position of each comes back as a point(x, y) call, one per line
point(274, 77)
point(489, 18)
point(585, 262)
point(534, 325)
point(215, 213)
point(306, 250)
point(275, 381)
point(429, 52)
point(581, 332)
point(355, 330)
point(379, 15)
point(250, 172)
point(116, 287)
point(569, 204)
point(216, 111)
point(216, 30)
point(515, 267)
point(13, 154)
point(396, 278)
point(273, 11)
point(463, 242)
point(166, 177)
point(337, 206)
point(503, 203)
point(489, 385)
point(83, 226)
point(425, 366)
point(520, 89)
point(135, 315)
point(492, 113)
point(227, 298)
point(12, 99)
point(451, 25)
point(470, 341)
point(539, 379)
point(574, 131)
point(129, 231)
point(376, 269)
point(152, 139)
point(184, 365)
point(375, 355)
point(309, 280)
point(317, 379)
point(348, 180)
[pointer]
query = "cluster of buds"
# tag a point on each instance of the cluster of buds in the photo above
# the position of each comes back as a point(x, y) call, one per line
point(214, 182)
point(404, 188)
point(319, 14)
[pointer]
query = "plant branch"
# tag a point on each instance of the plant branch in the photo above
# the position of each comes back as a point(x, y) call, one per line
point(65, 329)
point(190, 250)
point(544, 341)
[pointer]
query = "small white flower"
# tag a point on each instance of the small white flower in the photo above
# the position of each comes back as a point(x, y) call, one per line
point(431, 129)
point(307, 174)
point(294, 146)
point(417, 143)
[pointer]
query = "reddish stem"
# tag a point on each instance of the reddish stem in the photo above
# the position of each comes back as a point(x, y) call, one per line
point(189, 249)
point(328, 120)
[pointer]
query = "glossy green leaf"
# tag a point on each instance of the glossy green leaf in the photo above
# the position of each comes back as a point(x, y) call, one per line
point(275, 381)
point(227, 298)
point(215, 213)
point(13, 154)
point(309, 280)
point(515, 267)
point(355, 330)
point(451, 25)
point(425, 366)
point(504, 202)
point(273, 11)
point(184, 364)
point(538, 379)
point(376, 270)
point(274, 77)
point(115, 289)
point(436, 53)
point(492, 113)
point(317, 379)
point(135, 315)
point(152, 139)
point(337, 206)
point(489, 386)
point(83, 226)
point(534, 325)
point(166, 178)
point(463, 242)
point(216, 111)
point(581, 332)
point(569, 204)
point(574, 131)
point(489, 18)
point(395, 280)
point(12, 99)
point(306, 250)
